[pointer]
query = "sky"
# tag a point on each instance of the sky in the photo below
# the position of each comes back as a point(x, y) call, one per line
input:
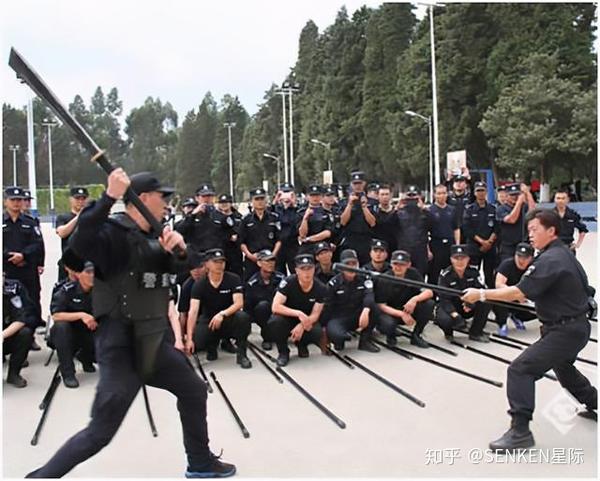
point(175, 50)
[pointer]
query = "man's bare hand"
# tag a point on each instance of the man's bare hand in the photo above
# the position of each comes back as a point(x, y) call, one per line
point(118, 182)
point(170, 239)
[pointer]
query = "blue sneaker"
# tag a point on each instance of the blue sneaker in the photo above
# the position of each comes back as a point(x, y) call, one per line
point(215, 468)
point(520, 325)
point(503, 330)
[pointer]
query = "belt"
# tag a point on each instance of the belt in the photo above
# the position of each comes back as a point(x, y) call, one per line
point(565, 320)
point(440, 239)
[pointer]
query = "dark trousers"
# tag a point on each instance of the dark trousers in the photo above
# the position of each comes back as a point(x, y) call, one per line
point(557, 350)
point(31, 280)
point(479, 313)
point(250, 268)
point(68, 338)
point(422, 314)
point(502, 315)
point(260, 315)
point(233, 327)
point(490, 262)
point(418, 258)
point(281, 326)
point(118, 386)
point(285, 257)
point(339, 325)
point(361, 244)
point(234, 258)
point(17, 346)
point(507, 251)
point(441, 258)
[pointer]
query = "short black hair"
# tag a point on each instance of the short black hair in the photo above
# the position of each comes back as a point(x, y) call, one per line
point(547, 217)
point(562, 190)
point(439, 186)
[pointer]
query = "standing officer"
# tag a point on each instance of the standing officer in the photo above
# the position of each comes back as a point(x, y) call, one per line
point(357, 218)
point(297, 307)
point(511, 217)
point(17, 330)
point(259, 230)
point(349, 306)
point(479, 229)
point(385, 213)
point(66, 223)
point(501, 195)
point(23, 246)
point(134, 344)
point(451, 311)
point(316, 225)
point(569, 221)
point(232, 219)
point(219, 300)
point(413, 224)
point(460, 198)
point(558, 285)
point(259, 292)
point(74, 323)
point(401, 304)
point(285, 207)
point(331, 208)
point(444, 232)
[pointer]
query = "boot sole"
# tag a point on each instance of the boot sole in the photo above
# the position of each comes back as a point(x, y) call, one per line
point(520, 446)
point(192, 475)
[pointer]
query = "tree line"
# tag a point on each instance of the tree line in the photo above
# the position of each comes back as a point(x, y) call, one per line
point(516, 90)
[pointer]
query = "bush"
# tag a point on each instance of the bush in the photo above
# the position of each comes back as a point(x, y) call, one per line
point(61, 198)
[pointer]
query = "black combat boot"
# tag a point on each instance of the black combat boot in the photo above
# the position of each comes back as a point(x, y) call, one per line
point(365, 343)
point(517, 437)
point(242, 358)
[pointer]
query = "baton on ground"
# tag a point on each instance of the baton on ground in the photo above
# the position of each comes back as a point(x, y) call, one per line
point(344, 361)
point(245, 432)
point(407, 333)
point(45, 406)
point(203, 374)
point(264, 363)
point(149, 412)
point(262, 351)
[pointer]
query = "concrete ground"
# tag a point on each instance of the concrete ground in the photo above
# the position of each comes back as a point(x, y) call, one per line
point(386, 434)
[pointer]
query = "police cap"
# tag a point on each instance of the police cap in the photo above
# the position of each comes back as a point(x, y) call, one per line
point(14, 193)
point(348, 256)
point(214, 254)
point(400, 257)
point(225, 198)
point(304, 260)
point(479, 186)
point(205, 189)
point(357, 176)
point(379, 244)
point(146, 182)
point(265, 255)
point(258, 193)
point(459, 250)
point(322, 246)
point(524, 249)
point(314, 189)
point(79, 192)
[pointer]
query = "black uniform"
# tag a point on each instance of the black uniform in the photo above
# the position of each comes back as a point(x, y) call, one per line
point(558, 285)
point(385, 229)
point(481, 221)
point(320, 220)
point(412, 233)
point(24, 236)
point(14, 310)
point(510, 234)
point(345, 303)
point(460, 203)
point(214, 300)
point(63, 219)
point(336, 227)
point(450, 304)
point(357, 233)
point(68, 337)
point(323, 276)
point(508, 268)
point(134, 344)
point(258, 299)
point(443, 225)
point(568, 223)
point(288, 220)
point(204, 231)
point(395, 295)
point(232, 247)
point(281, 326)
point(183, 305)
point(258, 234)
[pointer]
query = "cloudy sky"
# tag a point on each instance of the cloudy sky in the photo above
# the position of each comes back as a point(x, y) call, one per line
point(172, 49)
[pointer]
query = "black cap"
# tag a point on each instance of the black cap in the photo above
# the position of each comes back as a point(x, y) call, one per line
point(348, 255)
point(27, 194)
point(401, 257)
point(329, 190)
point(79, 192)
point(458, 177)
point(147, 182)
point(224, 198)
point(501, 188)
point(314, 189)
point(189, 202)
point(14, 193)
point(412, 191)
point(322, 246)
point(265, 255)
point(258, 192)
point(357, 176)
point(373, 186)
point(304, 260)
point(513, 189)
point(459, 250)
point(213, 254)
point(379, 244)
point(524, 249)
point(72, 260)
point(286, 187)
point(479, 186)
point(195, 259)
point(205, 189)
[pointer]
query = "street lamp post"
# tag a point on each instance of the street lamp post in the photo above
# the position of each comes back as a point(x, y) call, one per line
point(278, 161)
point(428, 120)
point(291, 88)
point(327, 145)
point(285, 157)
point(14, 149)
point(49, 125)
point(436, 144)
point(229, 126)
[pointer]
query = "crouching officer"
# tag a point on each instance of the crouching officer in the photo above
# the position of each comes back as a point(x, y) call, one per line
point(401, 304)
point(451, 310)
point(17, 329)
point(74, 323)
point(134, 344)
point(259, 292)
point(559, 286)
point(297, 307)
point(349, 306)
point(219, 300)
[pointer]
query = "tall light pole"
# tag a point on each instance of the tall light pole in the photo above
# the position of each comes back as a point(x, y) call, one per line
point(31, 156)
point(278, 161)
point(14, 149)
point(290, 89)
point(285, 156)
point(436, 144)
point(229, 126)
point(327, 145)
point(428, 120)
point(47, 123)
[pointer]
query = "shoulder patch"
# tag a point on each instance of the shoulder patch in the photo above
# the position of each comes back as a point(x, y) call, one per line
point(283, 283)
point(529, 270)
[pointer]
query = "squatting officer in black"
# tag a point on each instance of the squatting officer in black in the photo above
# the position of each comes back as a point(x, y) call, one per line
point(259, 292)
point(558, 285)
point(349, 306)
point(134, 344)
point(324, 265)
point(379, 256)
